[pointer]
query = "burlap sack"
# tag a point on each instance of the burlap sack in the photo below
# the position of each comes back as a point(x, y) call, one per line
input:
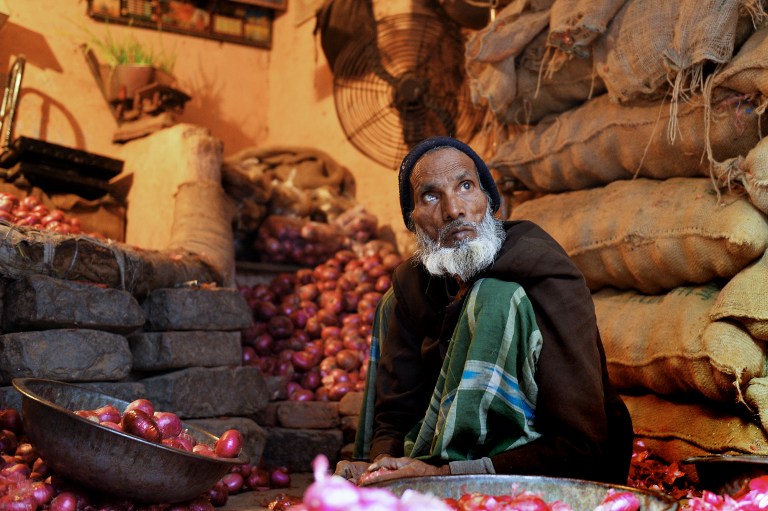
point(677, 430)
point(757, 398)
point(747, 71)
point(575, 24)
point(744, 299)
point(650, 44)
point(667, 344)
point(546, 87)
point(749, 172)
point(202, 225)
point(600, 142)
point(491, 52)
point(652, 235)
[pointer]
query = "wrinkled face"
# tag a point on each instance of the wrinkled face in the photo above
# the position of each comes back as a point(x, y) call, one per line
point(446, 188)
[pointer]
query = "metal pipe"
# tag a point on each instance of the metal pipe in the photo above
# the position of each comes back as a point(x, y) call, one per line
point(11, 99)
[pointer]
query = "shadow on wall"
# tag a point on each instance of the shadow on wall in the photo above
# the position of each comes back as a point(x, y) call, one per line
point(15, 40)
point(205, 110)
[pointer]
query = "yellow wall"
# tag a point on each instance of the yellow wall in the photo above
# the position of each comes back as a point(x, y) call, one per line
point(245, 96)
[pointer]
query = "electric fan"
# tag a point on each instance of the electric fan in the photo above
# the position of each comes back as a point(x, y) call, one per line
point(407, 85)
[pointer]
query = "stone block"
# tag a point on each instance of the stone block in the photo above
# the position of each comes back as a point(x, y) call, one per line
point(10, 398)
point(38, 302)
point(200, 392)
point(351, 403)
point(349, 427)
point(277, 387)
point(196, 309)
point(125, 390)
point(154, 351)
point(308, 414)
point(347, 452)
point(67, 355)
point(254, 436)
point(297, 448)
point(267, 416)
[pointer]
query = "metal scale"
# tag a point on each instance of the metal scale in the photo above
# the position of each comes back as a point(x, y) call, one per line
point(51, 167)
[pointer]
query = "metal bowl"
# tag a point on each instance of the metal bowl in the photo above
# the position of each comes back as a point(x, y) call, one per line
point(579, 494)
point(728, 473)
point(112, 462)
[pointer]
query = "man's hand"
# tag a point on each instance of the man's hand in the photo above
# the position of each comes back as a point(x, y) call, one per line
point(351, 470)
point(388, 469)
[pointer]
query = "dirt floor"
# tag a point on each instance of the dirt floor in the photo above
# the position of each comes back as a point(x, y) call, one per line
point(259, 501)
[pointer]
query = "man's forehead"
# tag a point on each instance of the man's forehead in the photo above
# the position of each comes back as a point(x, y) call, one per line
point(443, 160)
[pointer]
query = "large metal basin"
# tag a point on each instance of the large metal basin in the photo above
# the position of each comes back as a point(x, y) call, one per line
point(578, 494)
point(109, 461)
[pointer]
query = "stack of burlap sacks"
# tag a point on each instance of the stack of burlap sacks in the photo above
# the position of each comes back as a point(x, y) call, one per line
point(638, 141)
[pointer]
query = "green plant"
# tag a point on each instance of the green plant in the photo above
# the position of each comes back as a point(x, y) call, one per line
point(129, 50)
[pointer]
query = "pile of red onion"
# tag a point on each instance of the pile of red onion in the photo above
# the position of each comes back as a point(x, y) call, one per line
point(293, 240)
point(333, 493)
point(29, 211)
point(27, 484)
point(140, 418)
point(313, 327)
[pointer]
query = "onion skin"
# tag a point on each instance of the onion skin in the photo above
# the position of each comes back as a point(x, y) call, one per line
point(136, 422)
point(279, 478)
point(168, 423)
point(145, 405)
point(64, 501)
point(10, 419)
point(229, 444)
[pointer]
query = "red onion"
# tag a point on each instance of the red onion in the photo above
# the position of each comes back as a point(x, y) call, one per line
point(229, 444)
point(8, 442)
point(301, 395)
point(218, 495)
point(176, 444)
point(382, 283)
point(263, 310)
point(139, 423)
point(145, 405)
point(112, 425)
point(168, 423)
point(248, 356)
point(332, 301)
point(10, 419)
point(108, 413)
point(347, 359)
point(18, 503)
point(311, 379)
point(233, 482)
point(200, 504)
point(280, 327)
point(43, 492)
point(25, 453)
point(187, 440)
point(203, 450)
point(322, 394)
point(64, 501)
point(303, 361)
point(257, 479)
point(40, 467)
point(279, 478)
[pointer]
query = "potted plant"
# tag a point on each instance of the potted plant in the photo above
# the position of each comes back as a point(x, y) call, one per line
point(123, 67)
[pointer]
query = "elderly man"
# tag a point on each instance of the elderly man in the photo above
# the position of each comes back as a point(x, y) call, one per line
point(491, 360)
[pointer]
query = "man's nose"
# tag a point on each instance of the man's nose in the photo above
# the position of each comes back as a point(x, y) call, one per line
point(453, 208)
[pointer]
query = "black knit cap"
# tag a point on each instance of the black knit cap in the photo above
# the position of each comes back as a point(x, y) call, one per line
point(404, 178)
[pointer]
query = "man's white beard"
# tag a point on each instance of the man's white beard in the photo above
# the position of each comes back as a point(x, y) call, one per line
point(467, 259)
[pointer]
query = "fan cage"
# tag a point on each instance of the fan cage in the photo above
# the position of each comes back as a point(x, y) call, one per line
point(407, 85)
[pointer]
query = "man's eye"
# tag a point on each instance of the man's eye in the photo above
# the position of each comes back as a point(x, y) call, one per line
point(466, 185)
point(429, 197)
